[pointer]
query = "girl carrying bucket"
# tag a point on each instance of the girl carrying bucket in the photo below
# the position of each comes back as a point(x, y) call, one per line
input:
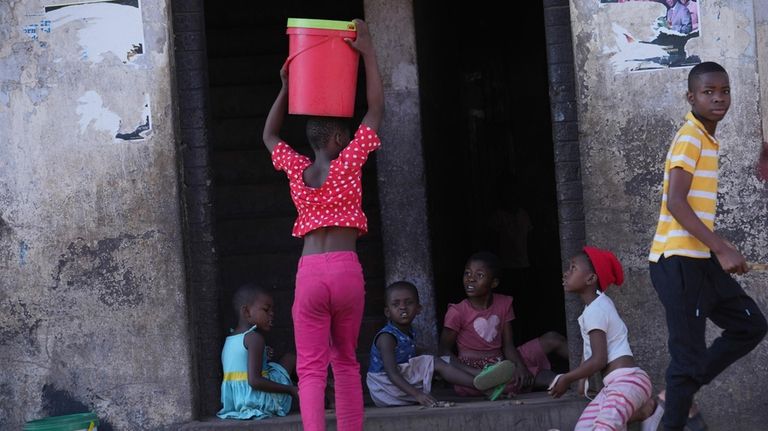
point(328, 306)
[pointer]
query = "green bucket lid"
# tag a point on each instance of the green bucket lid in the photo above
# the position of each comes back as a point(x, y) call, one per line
point(77, 421)
point(324, 24)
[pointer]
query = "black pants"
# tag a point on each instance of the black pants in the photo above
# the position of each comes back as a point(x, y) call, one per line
point(693, 290)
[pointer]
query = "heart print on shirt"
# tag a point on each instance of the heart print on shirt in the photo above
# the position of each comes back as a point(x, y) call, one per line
point(487, 329)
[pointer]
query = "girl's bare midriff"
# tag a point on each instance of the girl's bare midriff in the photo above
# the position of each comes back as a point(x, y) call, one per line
point(620, 362)
point(329, 239)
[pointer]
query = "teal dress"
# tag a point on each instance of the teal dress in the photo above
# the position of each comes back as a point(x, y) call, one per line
point(239, 399)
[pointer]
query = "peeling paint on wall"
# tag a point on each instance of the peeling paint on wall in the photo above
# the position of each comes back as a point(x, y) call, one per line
point(626, 122)
point(143, 129)
point(103, 27)
point(93, 113)
point(677, 23)
point(95, 218)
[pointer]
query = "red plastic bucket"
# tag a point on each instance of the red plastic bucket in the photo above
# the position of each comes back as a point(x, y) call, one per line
point(322, 68)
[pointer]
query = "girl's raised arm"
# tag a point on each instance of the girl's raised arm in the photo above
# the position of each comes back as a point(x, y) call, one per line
point(274, 123)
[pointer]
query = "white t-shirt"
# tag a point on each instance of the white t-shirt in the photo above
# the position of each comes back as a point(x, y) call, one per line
point(601, 314)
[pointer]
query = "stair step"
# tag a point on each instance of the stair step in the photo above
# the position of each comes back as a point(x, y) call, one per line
point(254, 201)
point(242, 100)
point(248, 14)
point(246, 70)
point(244, 133)
point(528, 412)
point(244, 167)
point(234, 41)
point(243, 236)
point(272, 199)
point(277, 269)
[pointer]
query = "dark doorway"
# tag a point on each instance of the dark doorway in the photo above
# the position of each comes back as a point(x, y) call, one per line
point(247, 45)
point(489, 154)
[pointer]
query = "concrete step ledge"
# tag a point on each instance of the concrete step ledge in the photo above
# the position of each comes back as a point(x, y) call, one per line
point(530, 412)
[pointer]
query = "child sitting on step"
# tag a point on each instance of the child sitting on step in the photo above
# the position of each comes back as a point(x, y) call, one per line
point(398, 377)
point(626, 395)
point(254, 388)
point(481, 329)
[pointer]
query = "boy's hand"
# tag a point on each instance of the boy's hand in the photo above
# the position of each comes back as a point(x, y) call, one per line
point(363, 42)
point(426, 399)
point(295, 392)
point(731, 259)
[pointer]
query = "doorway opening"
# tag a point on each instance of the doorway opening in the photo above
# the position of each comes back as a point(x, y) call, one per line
point(254, 215)
point(489, 156)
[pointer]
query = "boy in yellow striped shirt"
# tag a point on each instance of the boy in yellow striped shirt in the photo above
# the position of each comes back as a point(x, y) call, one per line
point(690, 262)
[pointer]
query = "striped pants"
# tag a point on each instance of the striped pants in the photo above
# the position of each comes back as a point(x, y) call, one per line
point(625, 391)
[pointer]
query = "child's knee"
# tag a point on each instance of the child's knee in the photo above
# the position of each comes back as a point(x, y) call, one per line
point(441, 362)
point(551, 341)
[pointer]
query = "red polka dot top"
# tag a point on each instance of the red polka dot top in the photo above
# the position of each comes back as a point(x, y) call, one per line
point(338, 201)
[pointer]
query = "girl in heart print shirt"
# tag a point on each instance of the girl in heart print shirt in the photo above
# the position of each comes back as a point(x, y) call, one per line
point(480, 329)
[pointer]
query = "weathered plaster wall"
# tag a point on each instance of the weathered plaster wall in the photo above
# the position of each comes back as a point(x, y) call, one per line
point(92, 291)
point(626, 123)
point(761, 30)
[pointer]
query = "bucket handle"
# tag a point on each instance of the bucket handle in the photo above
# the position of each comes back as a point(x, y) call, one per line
point(295, 54)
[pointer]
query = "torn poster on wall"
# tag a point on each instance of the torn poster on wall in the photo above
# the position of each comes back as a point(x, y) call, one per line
point(93, 113)
point(103, 27)
point(672, 23)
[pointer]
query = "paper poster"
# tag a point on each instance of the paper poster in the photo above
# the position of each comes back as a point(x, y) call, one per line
point(676, 23)
point(112, 27)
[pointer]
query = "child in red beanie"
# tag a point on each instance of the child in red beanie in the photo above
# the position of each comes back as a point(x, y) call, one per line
point(626, 395)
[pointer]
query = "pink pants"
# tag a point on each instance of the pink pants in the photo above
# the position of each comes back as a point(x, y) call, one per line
point(625, 390)
point(327, 312)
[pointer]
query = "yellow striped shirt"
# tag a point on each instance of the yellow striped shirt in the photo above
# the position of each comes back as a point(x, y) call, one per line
point(695, 151)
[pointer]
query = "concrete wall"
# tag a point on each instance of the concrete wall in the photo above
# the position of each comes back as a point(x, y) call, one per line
point(761, 30)
point(400, 162)
point(626, 123)
point(92, 290)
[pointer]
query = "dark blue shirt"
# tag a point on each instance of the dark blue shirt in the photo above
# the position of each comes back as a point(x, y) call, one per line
point(405, 349)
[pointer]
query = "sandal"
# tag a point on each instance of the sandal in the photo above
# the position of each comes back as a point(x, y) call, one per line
point(494, 375)
point(497, 392)
point(696, 423)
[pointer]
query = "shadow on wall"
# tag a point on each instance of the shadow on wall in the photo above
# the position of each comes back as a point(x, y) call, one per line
point(57, 402)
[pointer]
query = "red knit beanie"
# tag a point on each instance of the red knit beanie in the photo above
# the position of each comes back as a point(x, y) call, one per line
point(607, 267)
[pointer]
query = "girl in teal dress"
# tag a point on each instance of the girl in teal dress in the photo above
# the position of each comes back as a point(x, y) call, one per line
point(252, 387)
